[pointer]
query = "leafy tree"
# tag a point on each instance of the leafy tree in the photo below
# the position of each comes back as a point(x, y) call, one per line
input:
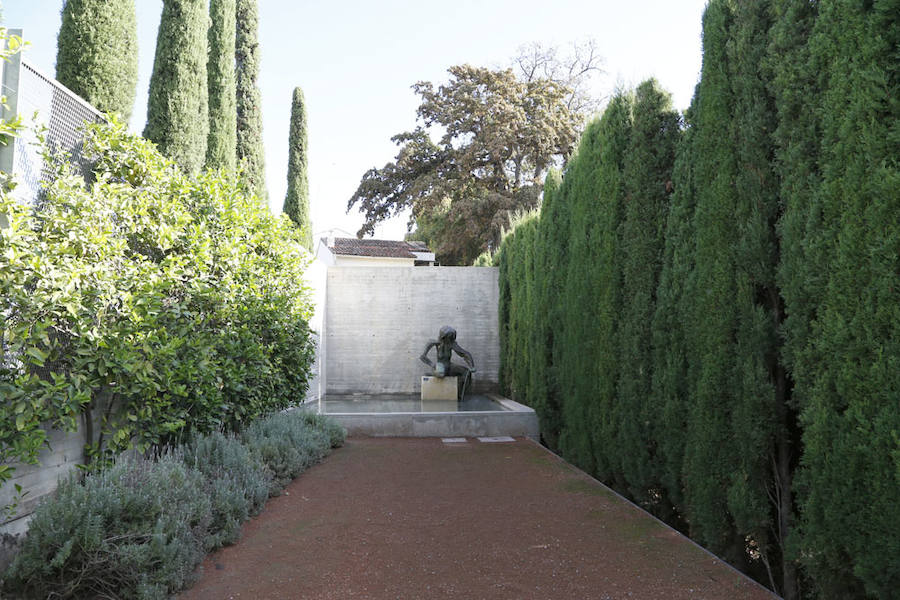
point(296, 203)
point(500, 136)
point(648, 183)
point(177, 108)
point(222, 142)
point(573, 71)
point(97, 53)
point(249, 103)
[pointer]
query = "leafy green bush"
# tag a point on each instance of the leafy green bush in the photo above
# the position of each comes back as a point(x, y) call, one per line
point(134, 531)
point(236, 482)
point(288, 443)
point(155, 303)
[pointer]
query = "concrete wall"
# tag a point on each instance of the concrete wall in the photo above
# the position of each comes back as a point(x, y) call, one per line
point(315, 278)
point(56, 462)
point(378, 320)
point(342, 260)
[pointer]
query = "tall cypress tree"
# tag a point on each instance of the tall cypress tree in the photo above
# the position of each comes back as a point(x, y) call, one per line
point(249, 103)
point(847, 368)
point(739, 395)
point(296, 203)
point(648, 183)
point(575, 432)
point(97, 53)
point(670, 377)
point(222, 141)
point(760, 492)
point(177, 108)
point(592, 292)
point(551, 245)
point(709, 457)
point(796, 84)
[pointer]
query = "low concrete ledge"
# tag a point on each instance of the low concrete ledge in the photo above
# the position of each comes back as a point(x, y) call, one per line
point(516, 420)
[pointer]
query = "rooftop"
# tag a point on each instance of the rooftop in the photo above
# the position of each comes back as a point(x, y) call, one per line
point(380, 248)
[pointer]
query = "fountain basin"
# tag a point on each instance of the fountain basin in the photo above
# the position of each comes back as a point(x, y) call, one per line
point(407, 415)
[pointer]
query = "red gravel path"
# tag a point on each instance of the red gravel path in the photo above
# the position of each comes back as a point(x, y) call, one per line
point(419, 518)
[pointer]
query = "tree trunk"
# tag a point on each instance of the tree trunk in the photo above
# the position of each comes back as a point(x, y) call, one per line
point(784, 461)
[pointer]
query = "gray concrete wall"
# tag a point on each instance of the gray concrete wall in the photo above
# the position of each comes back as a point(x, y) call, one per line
point(58, 461)
point(378, 320)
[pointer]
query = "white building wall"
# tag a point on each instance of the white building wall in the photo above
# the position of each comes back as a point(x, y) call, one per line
point(378, 320)
point(343, 260)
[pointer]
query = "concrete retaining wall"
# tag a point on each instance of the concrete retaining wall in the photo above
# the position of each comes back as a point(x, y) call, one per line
point(58, 461)
point(379, 319)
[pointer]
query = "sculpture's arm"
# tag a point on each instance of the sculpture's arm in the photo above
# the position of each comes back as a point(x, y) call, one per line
point(465, 354)
point(424, 358)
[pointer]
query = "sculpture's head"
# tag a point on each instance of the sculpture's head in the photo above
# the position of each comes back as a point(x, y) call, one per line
point(447, 334)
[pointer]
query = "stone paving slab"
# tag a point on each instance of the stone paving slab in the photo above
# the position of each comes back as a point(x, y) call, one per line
point(420, 518)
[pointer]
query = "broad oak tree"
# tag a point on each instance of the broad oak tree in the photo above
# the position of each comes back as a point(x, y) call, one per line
point(500, 132)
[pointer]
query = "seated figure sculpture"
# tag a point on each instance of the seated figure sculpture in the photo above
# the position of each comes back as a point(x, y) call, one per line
point(446, 345)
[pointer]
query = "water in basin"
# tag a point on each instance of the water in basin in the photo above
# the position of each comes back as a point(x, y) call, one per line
point(404, 403)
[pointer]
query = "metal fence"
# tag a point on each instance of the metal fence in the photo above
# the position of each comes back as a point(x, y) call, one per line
point(45, 104)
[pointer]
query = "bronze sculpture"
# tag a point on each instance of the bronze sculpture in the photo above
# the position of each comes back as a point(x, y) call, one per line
point(445, 347)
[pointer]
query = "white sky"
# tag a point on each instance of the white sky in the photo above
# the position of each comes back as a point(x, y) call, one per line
point(356, 61)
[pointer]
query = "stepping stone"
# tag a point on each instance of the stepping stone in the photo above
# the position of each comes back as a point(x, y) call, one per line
point(502, 438)
point(454, 440)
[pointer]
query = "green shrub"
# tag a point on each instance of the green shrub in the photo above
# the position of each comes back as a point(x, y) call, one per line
point(236, 482)
point(139, 528)
point(287, 443)
point(158, 303)
point(332, 429)
point(134, 531)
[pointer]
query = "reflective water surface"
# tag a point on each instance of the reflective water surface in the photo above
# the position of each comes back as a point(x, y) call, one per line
point(391, 403)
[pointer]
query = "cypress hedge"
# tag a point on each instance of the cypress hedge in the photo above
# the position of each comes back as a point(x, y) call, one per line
point(97, 53)
point(249, 102)
point(296, 202)
point(758, 410)
point(177, 107)
point(221, 146)
point(846, 355)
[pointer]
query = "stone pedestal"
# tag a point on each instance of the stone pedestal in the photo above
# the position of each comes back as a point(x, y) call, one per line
point(439, 388)
point(440, 406)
